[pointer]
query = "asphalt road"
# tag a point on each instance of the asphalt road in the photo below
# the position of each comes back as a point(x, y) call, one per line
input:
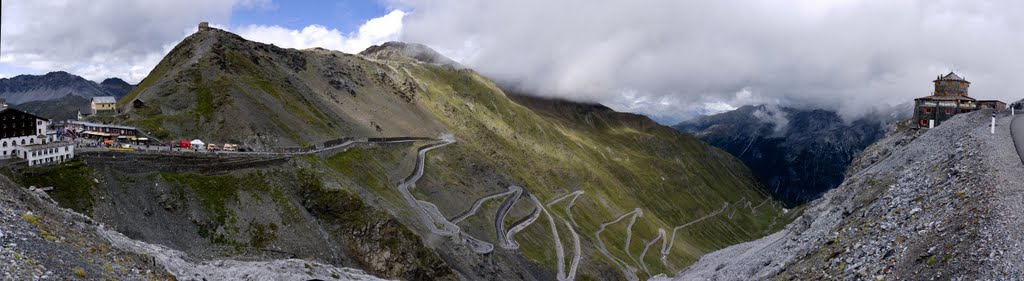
point(1017, 131)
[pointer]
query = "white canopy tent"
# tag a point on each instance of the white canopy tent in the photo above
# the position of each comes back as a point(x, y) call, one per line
point(197, 143)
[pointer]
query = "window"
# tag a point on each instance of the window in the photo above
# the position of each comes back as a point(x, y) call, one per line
point(924, 122)
point(963, 111)
point(949, 111)
point(927, 110)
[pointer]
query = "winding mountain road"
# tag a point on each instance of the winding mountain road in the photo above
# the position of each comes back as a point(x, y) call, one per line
point(627, 270)
point(661, 236)
point(427, 212)
point(479, 203)
point(499, 219)
point(671, 241)
point(571, 225)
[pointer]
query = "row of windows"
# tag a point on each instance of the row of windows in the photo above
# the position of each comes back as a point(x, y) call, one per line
point(48, 151)
point(17, 134)
point(15, 125)
point(17, 117)
point(949, 83)
point(928, 110)
point(13, 143)
point(962, 93)
point(51, 159)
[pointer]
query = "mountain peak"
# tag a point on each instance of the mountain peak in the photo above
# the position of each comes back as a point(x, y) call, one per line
point(394, 50)
point(114, 81)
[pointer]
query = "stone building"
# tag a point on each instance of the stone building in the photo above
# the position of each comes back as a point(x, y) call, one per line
point(949, 98)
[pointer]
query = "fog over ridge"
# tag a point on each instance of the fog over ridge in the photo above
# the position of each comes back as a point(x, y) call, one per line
point(675, 59)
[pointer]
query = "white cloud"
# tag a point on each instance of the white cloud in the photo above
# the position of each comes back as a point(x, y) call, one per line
point(374, 31)
point(847, 55)
point(102, 38)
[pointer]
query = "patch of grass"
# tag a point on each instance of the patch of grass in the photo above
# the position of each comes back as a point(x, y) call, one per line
point(260, 234)
point(79, 272)
point(214, 192)
point(72, 184)
point(30, 218)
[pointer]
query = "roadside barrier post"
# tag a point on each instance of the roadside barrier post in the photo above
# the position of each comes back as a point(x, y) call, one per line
point(993, 128)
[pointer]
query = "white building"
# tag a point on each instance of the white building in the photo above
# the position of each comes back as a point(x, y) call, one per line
point(39, 154)
point(26, 136)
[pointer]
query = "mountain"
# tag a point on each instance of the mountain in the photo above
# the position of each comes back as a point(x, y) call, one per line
point(55, 85)
point(796, 154)
point(65, 108)
point(450, 177)
point(919, 204)
point(116, 87)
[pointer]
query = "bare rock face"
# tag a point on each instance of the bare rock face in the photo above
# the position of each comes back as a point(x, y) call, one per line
point(918, 204)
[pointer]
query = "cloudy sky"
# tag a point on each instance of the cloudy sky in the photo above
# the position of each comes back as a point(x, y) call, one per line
point(667, 59)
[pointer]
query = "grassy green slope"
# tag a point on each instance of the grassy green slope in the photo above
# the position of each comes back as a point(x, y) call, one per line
point(673, 177)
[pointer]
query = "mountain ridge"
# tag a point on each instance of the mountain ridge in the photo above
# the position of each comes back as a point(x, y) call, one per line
point(57, 84)
point(797, 154)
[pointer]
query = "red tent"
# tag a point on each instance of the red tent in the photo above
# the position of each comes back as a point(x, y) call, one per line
point(185, 144)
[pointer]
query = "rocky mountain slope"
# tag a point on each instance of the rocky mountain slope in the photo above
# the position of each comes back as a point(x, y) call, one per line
point(936, 204)
point(219, 87)
point(505, 188)
point(42, 241)
point(56, 85)
point(796, 154)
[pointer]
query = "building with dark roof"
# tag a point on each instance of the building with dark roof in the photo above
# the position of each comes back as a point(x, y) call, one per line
point(949, 98)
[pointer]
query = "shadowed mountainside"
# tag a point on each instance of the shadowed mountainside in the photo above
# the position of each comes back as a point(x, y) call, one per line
point(796, 154)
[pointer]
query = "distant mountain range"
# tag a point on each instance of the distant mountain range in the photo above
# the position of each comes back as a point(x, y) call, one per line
point(56, 85)
point(58, 95)
point(796, 154)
